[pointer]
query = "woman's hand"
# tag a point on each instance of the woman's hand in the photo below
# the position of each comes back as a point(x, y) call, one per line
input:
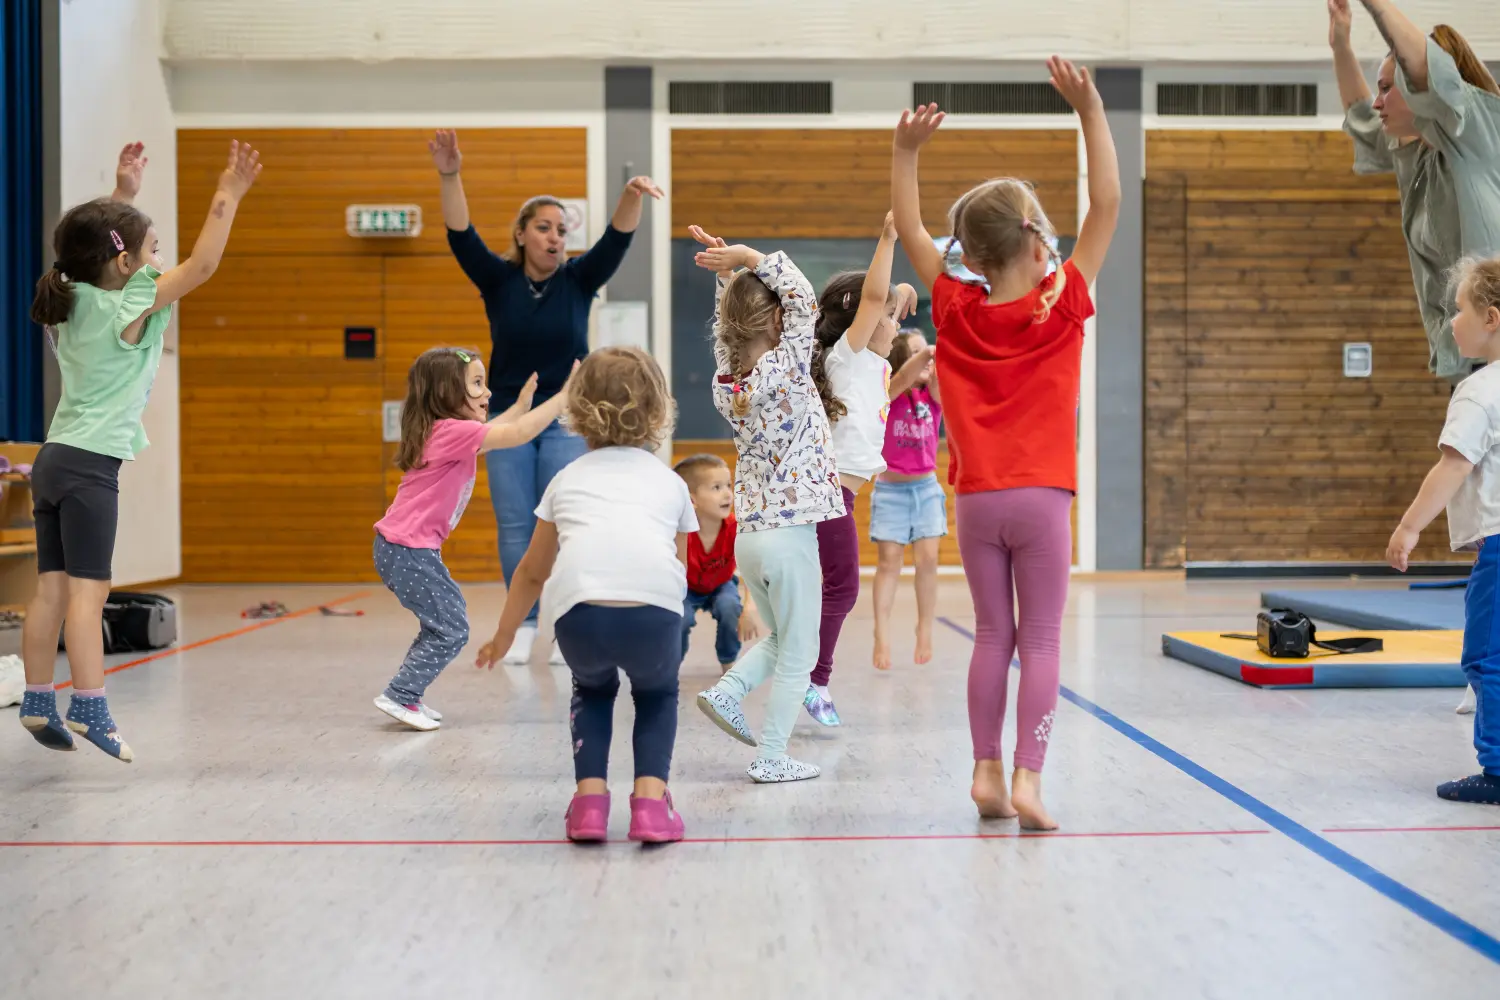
point(1398, 549)
point(491, 652)
point(445, 154)
point(642, 186)
point(243, 168)
point(916, 127)
point(1340, 23)
point(906, 301)
point(128, 171)
point(1075, 85)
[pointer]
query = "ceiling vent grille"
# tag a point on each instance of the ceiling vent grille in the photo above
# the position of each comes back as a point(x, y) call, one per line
point(992, 98)
point(1237, 100)
point(787, 97)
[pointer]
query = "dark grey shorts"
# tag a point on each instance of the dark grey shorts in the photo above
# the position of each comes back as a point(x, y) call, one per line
point(76, 497)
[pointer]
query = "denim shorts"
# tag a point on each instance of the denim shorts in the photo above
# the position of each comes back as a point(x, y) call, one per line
point(905, 512)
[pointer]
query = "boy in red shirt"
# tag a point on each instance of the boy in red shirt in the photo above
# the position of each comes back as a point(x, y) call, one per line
point(712, 585)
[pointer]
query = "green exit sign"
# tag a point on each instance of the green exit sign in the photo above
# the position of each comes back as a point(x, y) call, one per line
point(383, 220)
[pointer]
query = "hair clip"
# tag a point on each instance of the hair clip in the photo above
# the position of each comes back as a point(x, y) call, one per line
point(119, 243)
point(463, 355)
point(1027, 224)
point(846, 300)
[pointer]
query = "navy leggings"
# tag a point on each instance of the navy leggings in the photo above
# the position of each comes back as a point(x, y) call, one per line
point(646, 643)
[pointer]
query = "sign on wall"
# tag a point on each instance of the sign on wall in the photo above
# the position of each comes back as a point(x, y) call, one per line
point(576, 218)
point(383, 220)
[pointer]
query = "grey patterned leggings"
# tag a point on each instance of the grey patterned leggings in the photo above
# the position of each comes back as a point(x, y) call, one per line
point(424, 587)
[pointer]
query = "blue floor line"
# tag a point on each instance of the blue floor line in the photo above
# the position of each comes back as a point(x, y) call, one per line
point(1444, 920)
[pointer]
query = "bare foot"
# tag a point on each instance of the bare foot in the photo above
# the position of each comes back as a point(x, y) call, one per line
point(989, 792)
point(882, 653)
point(1026, 797)
point(924, 644)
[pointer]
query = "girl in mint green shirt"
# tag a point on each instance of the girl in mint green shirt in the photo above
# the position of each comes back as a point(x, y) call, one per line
point(105, 304)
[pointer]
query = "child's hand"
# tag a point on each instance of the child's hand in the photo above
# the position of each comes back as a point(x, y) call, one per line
point(906, 301)
point(888, 230)
point(523, 398)
point(444, 149)
point(491, 652)
point(916, 127)
point(1398, 549)
point(726, 259)
point(562, 394)
point(128, 171)
point(243, 168)
point(1075, 84)
point(697, 233)
point(641, 186)
point(751, 627)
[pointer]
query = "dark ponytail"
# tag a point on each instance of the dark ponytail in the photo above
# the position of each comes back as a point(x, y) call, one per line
point(87, 239)
point(54, 299)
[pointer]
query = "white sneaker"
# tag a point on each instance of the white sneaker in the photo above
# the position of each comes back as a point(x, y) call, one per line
point(557, 659)
point(771, 771)
point(12, 681)
point(412, 716)
point(519, 653)
point(1465, 707)
point(431, 712)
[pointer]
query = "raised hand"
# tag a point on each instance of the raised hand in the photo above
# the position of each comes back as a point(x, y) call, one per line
point(1340, 23)
point(444, 149)
point(1075, 84)
point(129, 169)
point(523, 398)
point(242, 170)
point(697, 233)
point(906, 301)
point(888, 231)
point(725, 259)
point(916, 127)
point(641, 186)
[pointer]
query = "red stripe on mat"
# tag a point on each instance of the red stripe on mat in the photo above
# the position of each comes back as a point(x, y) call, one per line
point(227, 635)
point(690, 840)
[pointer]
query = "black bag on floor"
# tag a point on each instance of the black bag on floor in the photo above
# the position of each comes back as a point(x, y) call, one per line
point(137, 623)
point(1286, 634)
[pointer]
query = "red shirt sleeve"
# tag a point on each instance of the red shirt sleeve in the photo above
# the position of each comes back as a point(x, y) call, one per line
point(1075, 300)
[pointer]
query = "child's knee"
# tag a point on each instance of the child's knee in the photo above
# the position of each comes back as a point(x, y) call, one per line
point(727, 608)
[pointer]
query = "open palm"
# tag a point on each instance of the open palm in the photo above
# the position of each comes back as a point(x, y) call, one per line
point(444, 149)
point(916, 127)
point(130, 168)
point(1340, 21)
point(1074, 84)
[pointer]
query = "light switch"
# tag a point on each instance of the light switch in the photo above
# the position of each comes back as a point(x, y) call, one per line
point(1359, 361)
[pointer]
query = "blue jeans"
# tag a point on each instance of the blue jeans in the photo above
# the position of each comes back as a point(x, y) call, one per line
point(725, 605)
point(518, 477)
point(1481, 656)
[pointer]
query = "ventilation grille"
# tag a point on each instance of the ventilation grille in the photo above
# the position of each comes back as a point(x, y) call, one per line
point(992, 98)
point(735, 98)
point(1238, 100)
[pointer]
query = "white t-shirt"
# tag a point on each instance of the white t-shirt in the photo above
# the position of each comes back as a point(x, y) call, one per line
point(1473, 430)
point(862, 381)
point(618, 513)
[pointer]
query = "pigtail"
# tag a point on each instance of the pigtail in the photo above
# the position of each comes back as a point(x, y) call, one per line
point(54, 299)
point(1053, 292)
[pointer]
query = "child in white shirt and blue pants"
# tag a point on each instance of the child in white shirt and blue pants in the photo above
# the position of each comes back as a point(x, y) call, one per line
point(1466, 480)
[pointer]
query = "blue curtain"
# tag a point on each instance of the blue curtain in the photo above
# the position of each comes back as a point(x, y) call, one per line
point(20, 219)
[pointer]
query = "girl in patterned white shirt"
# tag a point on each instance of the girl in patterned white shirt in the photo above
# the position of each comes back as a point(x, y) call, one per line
point(785, 485)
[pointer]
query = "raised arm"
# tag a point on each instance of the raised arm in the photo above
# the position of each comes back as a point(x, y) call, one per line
point(628, 210)
point(1407, 41)
point(1353, 87)
point(234, 183)
point(448, 160)
point(912, 133)
point(876, 289)
point(911, 372)
point(1098, 227)
point(502, 433)
point(128, 171)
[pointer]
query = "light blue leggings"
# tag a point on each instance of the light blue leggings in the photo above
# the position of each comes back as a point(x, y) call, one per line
point(781, 568)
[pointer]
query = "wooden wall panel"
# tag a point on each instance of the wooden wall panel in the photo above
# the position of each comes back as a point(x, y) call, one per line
point(1264, 256)
point(836, 183)
point(284, 472)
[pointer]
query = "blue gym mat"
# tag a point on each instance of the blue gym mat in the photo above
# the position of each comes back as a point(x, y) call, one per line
point(1390, 610)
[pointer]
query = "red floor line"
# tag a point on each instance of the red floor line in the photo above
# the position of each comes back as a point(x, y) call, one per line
point(878, 838)
point(1408, 829)
point(227, 635)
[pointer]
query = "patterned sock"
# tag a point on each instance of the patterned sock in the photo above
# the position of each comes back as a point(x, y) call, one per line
point(39, 716)
point(88, 716)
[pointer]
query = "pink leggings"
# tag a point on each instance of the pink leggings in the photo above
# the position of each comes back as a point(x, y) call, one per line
point(1019, 538)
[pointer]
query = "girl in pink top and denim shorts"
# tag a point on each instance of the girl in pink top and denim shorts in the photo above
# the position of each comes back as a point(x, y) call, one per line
point(909, 506)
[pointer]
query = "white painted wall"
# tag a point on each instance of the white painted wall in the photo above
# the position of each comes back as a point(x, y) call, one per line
point(1135, 30)
point(113, 91)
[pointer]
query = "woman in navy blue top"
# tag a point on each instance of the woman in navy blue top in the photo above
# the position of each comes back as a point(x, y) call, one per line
point(538, 302)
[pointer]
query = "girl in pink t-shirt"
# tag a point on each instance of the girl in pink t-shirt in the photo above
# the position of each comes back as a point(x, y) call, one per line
point(443, 432)
point(909, 506)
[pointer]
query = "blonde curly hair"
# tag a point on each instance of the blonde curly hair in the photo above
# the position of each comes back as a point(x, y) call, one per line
point(619, 399)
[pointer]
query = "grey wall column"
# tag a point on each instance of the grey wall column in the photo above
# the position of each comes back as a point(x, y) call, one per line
point(1119, 346)
point(51, 179)
point(627, 152)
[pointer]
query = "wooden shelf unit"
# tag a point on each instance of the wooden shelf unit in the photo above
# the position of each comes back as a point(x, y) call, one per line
point(17, 533)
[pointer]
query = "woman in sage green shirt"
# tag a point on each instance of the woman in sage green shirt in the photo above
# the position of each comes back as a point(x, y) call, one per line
point(1435, 123)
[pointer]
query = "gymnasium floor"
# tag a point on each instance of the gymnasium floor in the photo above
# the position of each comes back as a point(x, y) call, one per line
point(277, 837)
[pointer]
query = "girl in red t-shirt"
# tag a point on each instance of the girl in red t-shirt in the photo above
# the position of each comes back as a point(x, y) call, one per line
point(1009, 355)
